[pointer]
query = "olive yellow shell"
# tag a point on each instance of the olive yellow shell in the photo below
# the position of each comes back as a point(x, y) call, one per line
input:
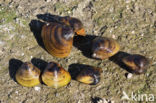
point(57, 39)
point(137, 63)
point(28, 75)
point(89, 75)
point(55, 76)
point(103, 47)
point(75, 23)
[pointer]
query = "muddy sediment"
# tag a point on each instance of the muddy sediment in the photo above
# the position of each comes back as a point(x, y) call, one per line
point(131, 22)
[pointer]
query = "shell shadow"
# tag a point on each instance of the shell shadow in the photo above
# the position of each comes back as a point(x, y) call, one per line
point(36, 28)
point(84, 43)
point(41, 64)
point(95, 99)
point(47, 17)
point(14, 64)
point(117, 59)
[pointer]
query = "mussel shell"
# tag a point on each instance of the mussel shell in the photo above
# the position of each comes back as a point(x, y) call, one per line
point(55, 76)
point(28, 75)
point(75, 23)
point(57, 39)
point(103, 47)
point(89, 75)
point(138, 64)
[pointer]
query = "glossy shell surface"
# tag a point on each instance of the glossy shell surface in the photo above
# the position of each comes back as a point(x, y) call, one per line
point(55, 76)
point(137, 63)
point(89, 75)
point(28, 75)
point(103, 47)
point(57, 39)
point(75, 23)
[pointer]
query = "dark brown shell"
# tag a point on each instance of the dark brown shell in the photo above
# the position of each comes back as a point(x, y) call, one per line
point(103, 47)
point(75, 23)
point(89, 75)
point(55, 76)
point(57, 39)
point(137, 63)
point(28, 75)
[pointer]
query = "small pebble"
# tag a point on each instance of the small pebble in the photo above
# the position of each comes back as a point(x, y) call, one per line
point(69, 12)
point(37, 88)
point(129, 75)
point(113, 36)
point(112, 102)
point(147, 74)
point(42, 57)
point(47, 0)
point(111, 31)
point(133, 32)
point(16, 92)
point(22, 36)
point(142, 34)
point(100, 101)
point(127, 7)
point(22, 54)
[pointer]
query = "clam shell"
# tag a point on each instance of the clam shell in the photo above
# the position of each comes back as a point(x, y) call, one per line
point(103, 47)
point(75, 23)
point(137, 63)
point(55, 76)
point(57, 39)
point(89, 75)
point(28, 75)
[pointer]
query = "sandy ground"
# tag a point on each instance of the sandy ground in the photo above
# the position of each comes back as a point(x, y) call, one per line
point(131, 22)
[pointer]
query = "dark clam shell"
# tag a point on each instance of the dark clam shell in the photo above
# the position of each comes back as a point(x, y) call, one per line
point(137, 63)
point(89, 75)
point(75, 23)
point(103, 47)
